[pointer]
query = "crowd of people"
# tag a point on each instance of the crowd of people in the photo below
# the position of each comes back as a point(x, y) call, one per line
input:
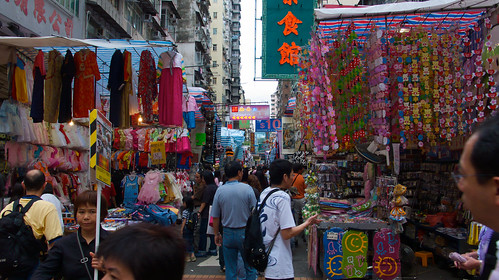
point(217, 212)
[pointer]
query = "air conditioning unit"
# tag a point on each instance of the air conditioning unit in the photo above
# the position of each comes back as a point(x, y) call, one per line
point(147, 18)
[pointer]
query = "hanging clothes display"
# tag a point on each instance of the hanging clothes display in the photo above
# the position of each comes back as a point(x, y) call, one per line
point(67, 72)
point(127, 90)
point(28, 69)
point(53, 81)
point(134, 101)
point(189, 108)
point(170, 88)
point(38, 86)
point(148, 90)
point(115, 86)
point(19, 90)
point(87, 72)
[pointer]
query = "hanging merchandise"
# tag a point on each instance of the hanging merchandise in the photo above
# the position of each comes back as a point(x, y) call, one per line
point(170, 88)
point(53, 83)
point(354, 245)
point(127, 90)
point(131, 185)
point(115, 86)
point(87, 73)
point(68, 72)
point(19, 87)
point(386, 254)
point(189, 108)
point(38, 87)
point(333, 257)
point(148, 90)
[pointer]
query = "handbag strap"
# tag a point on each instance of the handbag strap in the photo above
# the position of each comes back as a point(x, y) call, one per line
point(271, 245)
point(83, 259)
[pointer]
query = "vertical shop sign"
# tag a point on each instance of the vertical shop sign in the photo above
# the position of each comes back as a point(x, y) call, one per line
point(101, 139)
point(252, 140)
point(286, 28)
point(158, 153)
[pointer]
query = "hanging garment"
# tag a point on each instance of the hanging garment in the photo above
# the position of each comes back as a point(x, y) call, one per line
point(127, 90)
point(87, 73)
point(170, 89)
point(38, 85)
point(68, 73)
point(28, 67)
point(53, 82)
point(21, 93)
point(130, 186)
point(149, 193)
point(148, 90)
point(134, 102)
point(115, 86)
point(189, 107)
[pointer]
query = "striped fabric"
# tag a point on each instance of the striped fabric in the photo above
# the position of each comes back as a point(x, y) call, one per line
point(463, 20)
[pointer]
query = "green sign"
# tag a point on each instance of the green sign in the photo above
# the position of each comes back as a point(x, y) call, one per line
point(286, 29)
point(244, 124)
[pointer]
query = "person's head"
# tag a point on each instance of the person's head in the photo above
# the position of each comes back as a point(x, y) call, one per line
point(245, 175)
point(188, 202)
point(85, 209)
point(280, 173)
point(478, 173)
point(34, 181)
point(48, 189)
point(298, 168)
point(143, 252)
point(254, 182)
point(197, 177)
point(207, 177)
point(234, 170)
point(16, 192)
point(264, 183)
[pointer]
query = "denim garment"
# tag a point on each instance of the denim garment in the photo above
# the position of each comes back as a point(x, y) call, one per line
point(232, 245)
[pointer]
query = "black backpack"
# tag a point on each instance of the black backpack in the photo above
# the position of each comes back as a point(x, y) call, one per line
point(254, 249)
point(192, 221)
point(20, 251)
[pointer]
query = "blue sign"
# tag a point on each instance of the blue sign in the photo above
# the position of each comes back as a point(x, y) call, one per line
point(268, 125)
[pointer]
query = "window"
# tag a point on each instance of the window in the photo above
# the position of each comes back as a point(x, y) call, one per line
point(215, 47)
point(215, 31)
point(214, 80)
point(215, 15)
point(215, 64)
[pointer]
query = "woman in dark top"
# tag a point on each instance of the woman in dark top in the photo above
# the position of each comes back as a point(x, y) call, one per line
point(72, 255)
point(209, 193)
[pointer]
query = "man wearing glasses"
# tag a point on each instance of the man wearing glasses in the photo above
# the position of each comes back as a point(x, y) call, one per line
point(478, 178)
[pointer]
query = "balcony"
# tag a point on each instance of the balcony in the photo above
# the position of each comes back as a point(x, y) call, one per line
point(110, 14)
point(149, 6)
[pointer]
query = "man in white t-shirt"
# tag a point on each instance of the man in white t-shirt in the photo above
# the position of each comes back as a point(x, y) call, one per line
point(277, 214)
point(48, 195)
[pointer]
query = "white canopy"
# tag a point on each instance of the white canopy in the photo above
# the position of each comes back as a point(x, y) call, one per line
point(59, 41)
point(402, 8)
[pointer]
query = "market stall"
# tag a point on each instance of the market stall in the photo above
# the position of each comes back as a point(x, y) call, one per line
point(389, 93)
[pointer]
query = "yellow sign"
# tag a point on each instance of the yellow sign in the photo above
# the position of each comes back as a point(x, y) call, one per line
point(158, 154)
point(103, 175)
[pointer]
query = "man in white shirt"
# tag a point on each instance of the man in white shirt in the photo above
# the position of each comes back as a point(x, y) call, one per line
point(277, 215)
point(48, 195)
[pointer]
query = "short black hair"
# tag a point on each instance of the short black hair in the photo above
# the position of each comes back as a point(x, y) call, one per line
point(34, 180)
point(189, 202)
point(484, 154)
point(232, 169)
point(208, 177)
point(278, 168)
point(90, 198)
point(48, 189)
point(297, 167)
point(149, 251)
point(264, 183)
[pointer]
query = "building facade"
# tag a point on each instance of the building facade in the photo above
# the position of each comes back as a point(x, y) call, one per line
point(194, 42)
point(234, 96)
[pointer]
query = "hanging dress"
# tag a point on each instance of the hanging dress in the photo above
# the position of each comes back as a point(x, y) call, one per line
point(115, 86)
point(21, 92)
point(67, 72)
point(53, 81)
point(127, 90)
point(170, 89)
point(38, 85)
point(87, 72)
point(148, 89)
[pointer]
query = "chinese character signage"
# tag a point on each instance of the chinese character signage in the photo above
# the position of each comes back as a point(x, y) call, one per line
point(250, 112)
point(158, 153)
point(271, 125)
point(286, 29)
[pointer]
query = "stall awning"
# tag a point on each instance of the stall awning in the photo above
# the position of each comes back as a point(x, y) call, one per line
point(202, 100)
point(463, 20)
point(403, 8)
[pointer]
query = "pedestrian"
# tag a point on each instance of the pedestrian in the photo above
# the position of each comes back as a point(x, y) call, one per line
point(477, 176)
point(474, 259)
point(264, 183)
point(197, 198)
point(41, 217)
point(255, 184)
point(143, 252)
point(187, 228)
point(16, 192)
point(298, 199)
point(72, 255)
point(210, 188)
point(231, 208)
point(277, 221)
point(48, 195)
